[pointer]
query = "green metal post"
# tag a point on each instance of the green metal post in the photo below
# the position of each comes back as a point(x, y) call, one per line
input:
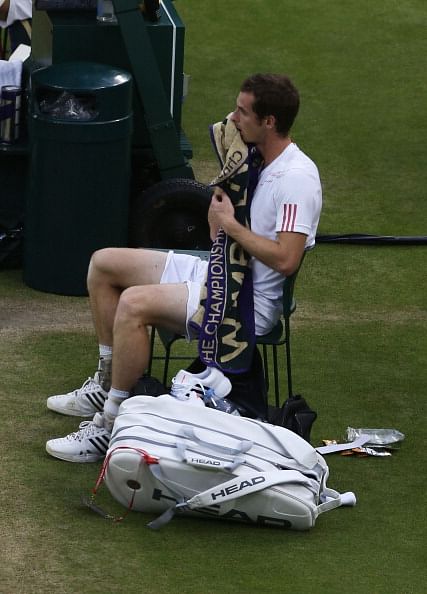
point(161, 127)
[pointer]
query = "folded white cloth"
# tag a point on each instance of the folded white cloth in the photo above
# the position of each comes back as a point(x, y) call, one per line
point(10, 73)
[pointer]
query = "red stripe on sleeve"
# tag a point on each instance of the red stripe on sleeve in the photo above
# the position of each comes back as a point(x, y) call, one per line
point(289, 216)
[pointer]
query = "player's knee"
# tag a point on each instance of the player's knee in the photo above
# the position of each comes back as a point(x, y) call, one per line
point(100, 263)
point(100, 259)
point(134, 305)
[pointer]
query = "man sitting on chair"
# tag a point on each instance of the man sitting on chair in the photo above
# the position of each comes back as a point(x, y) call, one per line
point(132, 289)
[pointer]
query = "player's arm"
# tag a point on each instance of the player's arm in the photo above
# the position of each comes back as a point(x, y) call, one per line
point(282, 254)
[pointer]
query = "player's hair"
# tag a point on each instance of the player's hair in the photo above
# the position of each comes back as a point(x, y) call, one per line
point(275, 95)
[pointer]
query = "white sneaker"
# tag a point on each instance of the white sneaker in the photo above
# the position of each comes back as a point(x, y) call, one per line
point(211, 377)
point(84, 402)
point(88, 444)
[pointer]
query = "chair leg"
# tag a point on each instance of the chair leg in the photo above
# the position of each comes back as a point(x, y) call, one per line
point(265, 364)
point(166, 357)
point(276, 376)
point(288, 356)
point(166, 364)
point(152, 337)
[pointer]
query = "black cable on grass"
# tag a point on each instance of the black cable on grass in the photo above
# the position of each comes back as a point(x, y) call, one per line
point(365, 239)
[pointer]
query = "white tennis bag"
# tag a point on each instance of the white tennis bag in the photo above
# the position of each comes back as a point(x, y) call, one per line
point(170, 456)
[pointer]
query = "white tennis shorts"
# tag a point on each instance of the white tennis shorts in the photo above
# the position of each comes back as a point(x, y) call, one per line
point(190, 270)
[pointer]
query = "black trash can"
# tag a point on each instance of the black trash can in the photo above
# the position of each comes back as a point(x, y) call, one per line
point(80, 124)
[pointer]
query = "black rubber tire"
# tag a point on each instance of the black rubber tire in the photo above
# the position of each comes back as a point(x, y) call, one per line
point(172, 214)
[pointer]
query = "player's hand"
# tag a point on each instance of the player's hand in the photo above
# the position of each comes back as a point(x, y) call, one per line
point(221, 211)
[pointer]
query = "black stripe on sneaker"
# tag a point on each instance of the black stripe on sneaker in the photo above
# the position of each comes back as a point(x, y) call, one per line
point(100, 443)
point(97, 400)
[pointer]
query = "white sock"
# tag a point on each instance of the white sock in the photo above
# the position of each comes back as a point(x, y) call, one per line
point(105, 351)
point(119, 394)
point(111, 406)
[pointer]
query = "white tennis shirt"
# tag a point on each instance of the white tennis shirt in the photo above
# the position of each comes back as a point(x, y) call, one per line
point(288, 198)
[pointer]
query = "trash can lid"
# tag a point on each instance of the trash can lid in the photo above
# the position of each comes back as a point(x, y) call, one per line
point(81, 76)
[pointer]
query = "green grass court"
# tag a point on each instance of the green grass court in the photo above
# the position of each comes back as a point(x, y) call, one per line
point(359, 332)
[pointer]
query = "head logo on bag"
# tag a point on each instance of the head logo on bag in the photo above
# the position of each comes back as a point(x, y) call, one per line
point(205, 462)
point(237, 487)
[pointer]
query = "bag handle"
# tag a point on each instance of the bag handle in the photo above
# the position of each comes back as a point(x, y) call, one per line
point(189, 433)
point(245, 484)
point(237, 487)
point(242, 446)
